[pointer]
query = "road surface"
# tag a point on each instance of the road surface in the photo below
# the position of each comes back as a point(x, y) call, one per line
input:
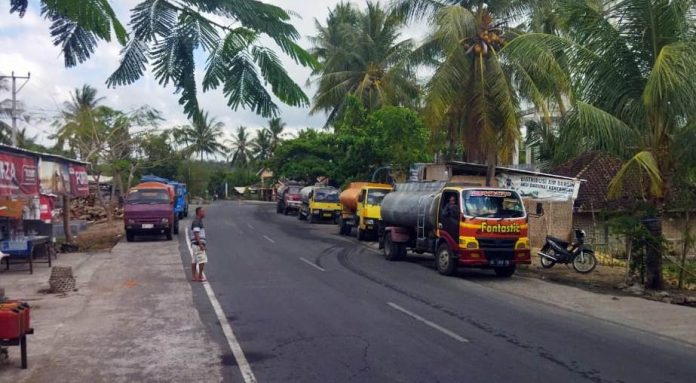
point(307, 305)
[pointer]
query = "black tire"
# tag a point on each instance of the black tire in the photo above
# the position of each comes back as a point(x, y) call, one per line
point(584, 263)
point(505, 272)
point(361, 234)
point(285, 210)
point(130, 237)
point(392, 251)
point(444, 261)
point(344, 229)
point(176, 227)
point(169, 235)
point(545, 262)
point(299, 215)
point(310, 218)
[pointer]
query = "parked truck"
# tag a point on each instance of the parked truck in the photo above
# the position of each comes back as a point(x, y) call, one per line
point(482, 227)
point(289, 198)
point(319, 203)
point(360, 208)
point(149, 210)
point(181, 199)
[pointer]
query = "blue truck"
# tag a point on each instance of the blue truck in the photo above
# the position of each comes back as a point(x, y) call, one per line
point(181, 202)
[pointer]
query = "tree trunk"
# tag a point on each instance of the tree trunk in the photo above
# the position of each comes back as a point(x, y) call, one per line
point(66, 218)
point(100, 198)
point(491, 165)
point(686, 238)
point(653, 254)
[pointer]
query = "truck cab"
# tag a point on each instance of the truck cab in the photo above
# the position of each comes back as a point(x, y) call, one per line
point(149, 210)
point(368, 212)
point(319, 203)
point(289, 199)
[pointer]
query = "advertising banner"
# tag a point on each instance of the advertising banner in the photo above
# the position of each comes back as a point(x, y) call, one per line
point(79, 183)
point(54, 177)
point(18, 175)
point(540, 187)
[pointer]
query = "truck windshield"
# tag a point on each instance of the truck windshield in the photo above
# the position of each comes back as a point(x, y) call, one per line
point(493, 204)
point(326, 195)
point(148, 196)
point(294, 190)
point(375, 197)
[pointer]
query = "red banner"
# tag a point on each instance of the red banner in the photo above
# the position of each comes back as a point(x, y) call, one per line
point(18, 175)
point(79, 183)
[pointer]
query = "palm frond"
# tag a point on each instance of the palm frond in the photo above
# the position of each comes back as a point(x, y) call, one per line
point(642, 163)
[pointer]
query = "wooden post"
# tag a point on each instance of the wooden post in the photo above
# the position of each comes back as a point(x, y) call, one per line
point(66, 218)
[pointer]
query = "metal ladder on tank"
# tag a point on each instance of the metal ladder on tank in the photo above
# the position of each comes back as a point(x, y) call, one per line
point(420, 223)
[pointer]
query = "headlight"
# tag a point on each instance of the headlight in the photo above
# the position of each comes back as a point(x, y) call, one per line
point(131, 221)
point(165, 220)
point(521, 246)
point(369, 221)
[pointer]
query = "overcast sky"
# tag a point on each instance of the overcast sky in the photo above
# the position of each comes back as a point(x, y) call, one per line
point(26, 46)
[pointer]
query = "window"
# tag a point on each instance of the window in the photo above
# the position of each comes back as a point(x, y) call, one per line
point(493, 204)
point(148, 196)
point(375, 197)
point(323, 195)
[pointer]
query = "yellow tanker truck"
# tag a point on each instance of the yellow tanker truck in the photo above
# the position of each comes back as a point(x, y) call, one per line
point(360, 204)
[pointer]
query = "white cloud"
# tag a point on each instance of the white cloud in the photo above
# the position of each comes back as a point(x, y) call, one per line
point(27, 47)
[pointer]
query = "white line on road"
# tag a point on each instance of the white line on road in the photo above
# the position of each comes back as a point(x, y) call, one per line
point(250, 226)
point(244, 366)
point(429, 323)
point(312, 264)
point(268, 239)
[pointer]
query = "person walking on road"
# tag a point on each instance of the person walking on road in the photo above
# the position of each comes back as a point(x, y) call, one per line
point(198, 246)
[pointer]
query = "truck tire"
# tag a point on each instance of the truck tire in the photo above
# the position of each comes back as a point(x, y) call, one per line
point(130, 237)
point(505, 272)
point(169, 235)
point(310, 218)
point(444, 261)
point(343, 228)
point(361, 234)
point(299, 215)
point(393, 251)
point(285, 210)
point(176, 227)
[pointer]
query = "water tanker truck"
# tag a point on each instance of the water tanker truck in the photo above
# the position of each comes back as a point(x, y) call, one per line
point(460, 226)
point(319, 203)
point(360, 208)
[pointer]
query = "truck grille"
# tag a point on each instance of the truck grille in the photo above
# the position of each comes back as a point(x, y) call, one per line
point(148, 220)
point(497, 248)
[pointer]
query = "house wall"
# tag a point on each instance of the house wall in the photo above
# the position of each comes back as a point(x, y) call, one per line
point(557, 221)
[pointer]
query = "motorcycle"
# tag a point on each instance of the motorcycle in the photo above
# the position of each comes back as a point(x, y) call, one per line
point(556, 250)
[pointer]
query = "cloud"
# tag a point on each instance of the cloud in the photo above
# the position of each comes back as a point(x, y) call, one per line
point(27, 47)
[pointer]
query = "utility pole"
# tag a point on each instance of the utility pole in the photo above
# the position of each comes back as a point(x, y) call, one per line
point(14, 101)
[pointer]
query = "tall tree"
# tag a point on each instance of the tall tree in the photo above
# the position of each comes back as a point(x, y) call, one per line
point(262, 146)
point(79, 120)
point(241, 148)
point(633, 69)
point(276, 126)
point(362, 53)
point(165, 34)
point(202, 136)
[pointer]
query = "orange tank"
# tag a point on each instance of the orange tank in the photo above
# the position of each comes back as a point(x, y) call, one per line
point(157, 185)
point(349, 197)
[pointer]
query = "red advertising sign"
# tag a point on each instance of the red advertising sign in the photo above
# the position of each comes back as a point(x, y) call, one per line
point(79, 183)
point(18, 175)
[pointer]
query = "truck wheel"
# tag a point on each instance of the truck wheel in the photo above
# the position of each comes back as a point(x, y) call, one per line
point(169, 235)
point(393, 251)
point(505, 272)
point(285, 210)
point(130, 237)
point(445, 262)
point(299, 215)
point(310, 218)
point(176, 227)
point(361, 234)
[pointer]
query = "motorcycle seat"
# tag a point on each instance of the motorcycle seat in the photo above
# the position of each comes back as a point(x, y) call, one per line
point(559, 241)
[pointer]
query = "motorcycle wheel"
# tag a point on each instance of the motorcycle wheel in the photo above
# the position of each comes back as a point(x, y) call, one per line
point(585, 262)
point(545, 262)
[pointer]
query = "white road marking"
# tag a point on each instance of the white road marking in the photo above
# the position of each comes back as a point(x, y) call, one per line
point(312, 264)
point(244, 366)
point(250, 226)
point(436, 326)
point(268, 239)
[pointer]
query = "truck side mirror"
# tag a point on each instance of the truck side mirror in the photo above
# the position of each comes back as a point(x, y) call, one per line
point(539, 209)
point(360, 198)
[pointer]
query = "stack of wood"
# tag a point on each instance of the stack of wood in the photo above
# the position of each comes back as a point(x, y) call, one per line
point(90, 210)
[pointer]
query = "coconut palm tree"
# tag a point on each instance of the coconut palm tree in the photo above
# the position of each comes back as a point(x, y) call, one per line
point(79, 119)
point(362, 53)
point(202, 136)
point(633, 69)
point(262, 145)
point(473, 97)
point(275, 129)
point(241, 147)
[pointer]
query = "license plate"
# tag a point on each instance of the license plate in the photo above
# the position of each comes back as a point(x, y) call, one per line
point(148, 226)
point(499, 262)
point(327, 214)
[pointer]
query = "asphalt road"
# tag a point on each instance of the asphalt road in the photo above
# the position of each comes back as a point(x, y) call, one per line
point(310, 306)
